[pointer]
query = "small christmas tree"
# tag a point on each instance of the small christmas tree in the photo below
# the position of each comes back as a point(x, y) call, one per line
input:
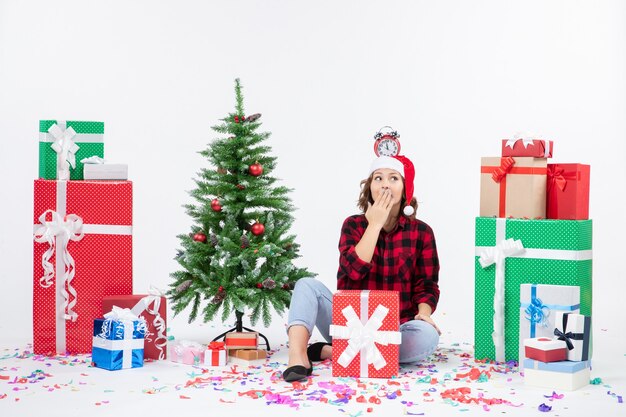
point(239, 255)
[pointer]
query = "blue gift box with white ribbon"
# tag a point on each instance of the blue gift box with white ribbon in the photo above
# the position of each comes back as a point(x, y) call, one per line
point(118, 343)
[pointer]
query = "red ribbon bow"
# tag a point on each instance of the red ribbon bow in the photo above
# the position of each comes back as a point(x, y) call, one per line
point(505, 167)
point(555, 176)
point(216, 345)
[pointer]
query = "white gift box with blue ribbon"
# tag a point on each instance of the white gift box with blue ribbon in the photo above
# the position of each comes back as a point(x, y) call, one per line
point(539, 304)
point(118, 340)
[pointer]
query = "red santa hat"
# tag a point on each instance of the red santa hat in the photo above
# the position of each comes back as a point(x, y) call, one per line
point(405, 167)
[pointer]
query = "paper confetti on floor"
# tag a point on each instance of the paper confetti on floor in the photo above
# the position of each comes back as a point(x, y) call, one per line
point(451, 378)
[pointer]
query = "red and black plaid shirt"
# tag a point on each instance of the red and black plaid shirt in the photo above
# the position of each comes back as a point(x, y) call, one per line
point(405, 260)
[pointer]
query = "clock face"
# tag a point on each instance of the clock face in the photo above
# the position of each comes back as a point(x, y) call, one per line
point(387, 147)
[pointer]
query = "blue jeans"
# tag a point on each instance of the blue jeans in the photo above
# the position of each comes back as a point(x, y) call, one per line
point(311, 305)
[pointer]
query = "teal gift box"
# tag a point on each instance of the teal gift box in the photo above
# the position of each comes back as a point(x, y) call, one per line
point(511, 252)
point(118, 344)
point(88, 138)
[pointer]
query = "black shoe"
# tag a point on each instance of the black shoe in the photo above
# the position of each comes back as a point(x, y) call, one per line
point(314, 352)
point(297, 373)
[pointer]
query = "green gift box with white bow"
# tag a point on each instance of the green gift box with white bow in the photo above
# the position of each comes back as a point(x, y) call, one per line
point(511, 252)
point(63, 144)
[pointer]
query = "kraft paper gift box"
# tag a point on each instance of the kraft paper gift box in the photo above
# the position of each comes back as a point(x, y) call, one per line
point(536, 148)
point(118, 341)
point(248, 354)
point(186, 352)
point(564, 375)
point(575, 330)
point(539, 308)
point(513, 187)
point(568, 191)
point(63, 144)
point(82, 253)
point(215, 354)
point(152, 308)
point(105, 171)
point(544, 349)
point(241, 340)
point(366, 337)
point(511, 252)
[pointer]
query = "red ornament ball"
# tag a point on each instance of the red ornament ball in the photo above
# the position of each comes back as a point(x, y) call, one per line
point(255, 169)
point(199, 237)
point(215, 205)
point(257, 229)
point(220, 289)
point(259, 285)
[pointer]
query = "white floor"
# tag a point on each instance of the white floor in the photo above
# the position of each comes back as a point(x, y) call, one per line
point(38, 386)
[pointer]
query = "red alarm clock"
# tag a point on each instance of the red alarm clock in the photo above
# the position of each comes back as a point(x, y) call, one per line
point(386, 143)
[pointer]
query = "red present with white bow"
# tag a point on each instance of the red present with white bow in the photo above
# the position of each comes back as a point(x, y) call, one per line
point(215, 354)
point(545, 349)
point(150, 307)
point(527, 146)
point(82, 253)
point(366, 336)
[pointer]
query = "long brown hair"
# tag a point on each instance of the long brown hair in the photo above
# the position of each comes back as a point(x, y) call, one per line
point(365, 198)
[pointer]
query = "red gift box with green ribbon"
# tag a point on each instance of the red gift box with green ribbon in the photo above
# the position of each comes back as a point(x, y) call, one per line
point(82, 253)
point(568, 192)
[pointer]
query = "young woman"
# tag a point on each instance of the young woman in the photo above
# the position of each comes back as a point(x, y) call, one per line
point(386, 248)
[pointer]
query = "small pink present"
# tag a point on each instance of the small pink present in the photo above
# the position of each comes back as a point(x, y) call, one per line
point(186, 351)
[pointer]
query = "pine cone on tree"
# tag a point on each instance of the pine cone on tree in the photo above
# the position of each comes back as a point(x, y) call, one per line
point(253, 117)
point(184, 286)
point(218, 298)
point(269, 283)
point(213, 239)
point(245, 242)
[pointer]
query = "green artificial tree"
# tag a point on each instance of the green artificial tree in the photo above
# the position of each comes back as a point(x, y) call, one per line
point(239, 254)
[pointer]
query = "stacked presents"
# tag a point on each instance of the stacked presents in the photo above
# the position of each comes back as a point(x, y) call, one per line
point(242, 345)
point(82, 243)
point(533, 262)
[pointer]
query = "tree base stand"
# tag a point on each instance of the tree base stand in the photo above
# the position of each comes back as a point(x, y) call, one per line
point(239, 328)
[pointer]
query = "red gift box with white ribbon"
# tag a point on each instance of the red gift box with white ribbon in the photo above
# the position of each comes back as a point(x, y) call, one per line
point(82, 253)
point(523, 146)
point(545, 349)
point(152, 308)
point(366, 336)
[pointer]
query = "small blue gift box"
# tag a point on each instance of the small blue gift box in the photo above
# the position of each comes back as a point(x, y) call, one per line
point(118, 344)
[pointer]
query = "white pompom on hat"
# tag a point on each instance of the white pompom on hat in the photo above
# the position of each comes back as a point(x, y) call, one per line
point(405, 167)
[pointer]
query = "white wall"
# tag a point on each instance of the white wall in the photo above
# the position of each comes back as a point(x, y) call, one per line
point(453, 77)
